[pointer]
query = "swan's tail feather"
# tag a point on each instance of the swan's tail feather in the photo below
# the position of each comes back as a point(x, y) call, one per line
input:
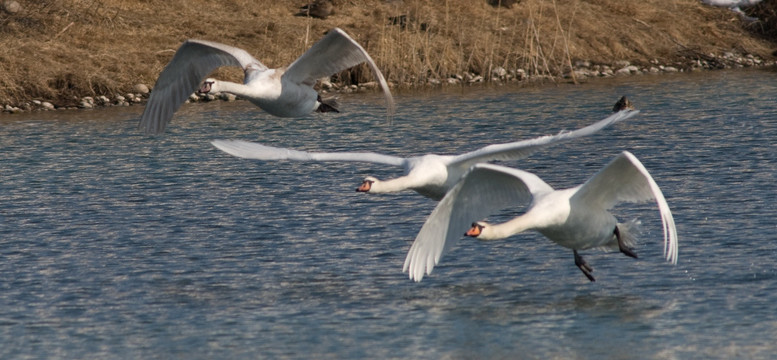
point(629, 232)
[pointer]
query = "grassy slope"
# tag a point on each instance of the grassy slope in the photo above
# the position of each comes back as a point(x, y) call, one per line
point(62, 50)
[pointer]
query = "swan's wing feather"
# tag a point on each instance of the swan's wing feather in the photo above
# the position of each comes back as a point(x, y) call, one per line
point(484, 190)
point(332, 54)
point(256, 151)
point(520, 149)
point(625, 179)
point(193, 61)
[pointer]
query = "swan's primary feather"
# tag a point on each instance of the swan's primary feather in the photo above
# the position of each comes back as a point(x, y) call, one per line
point(521, 149)
point(251, 150)
point(332, 54)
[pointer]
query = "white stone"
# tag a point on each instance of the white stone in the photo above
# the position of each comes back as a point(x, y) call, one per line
point(622, 64)
point(11, 7)
point(583, 63)
point(47, 105)
point(102, 100)
point(369, 85)
point(141, 89)
point(326, 84)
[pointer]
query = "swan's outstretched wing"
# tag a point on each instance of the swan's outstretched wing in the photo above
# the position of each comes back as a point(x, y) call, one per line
point(484, 190)
point(332, 54)
point(520, 149)
point(625, 179)
point(256, 151)
point(193, 61)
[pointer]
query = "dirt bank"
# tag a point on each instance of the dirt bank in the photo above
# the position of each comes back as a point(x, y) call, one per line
point(63, 50)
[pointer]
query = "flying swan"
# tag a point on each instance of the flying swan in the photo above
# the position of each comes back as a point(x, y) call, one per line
point(284, 92)
point(575, 218)
point(430, 175)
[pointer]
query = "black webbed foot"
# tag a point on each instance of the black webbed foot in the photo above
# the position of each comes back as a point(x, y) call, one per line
point(583, 266)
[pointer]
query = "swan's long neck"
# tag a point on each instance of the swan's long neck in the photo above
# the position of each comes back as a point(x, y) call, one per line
point(509, 228)
point(233, 88)
point(392, 185)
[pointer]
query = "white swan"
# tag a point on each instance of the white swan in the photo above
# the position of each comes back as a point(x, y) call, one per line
point(284, 92)
point(430, 175)
point(576, 218)
point(735, 6)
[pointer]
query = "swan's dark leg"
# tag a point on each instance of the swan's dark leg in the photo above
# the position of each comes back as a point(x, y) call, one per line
point(622, 246)
point(328, 105)
point(584, 267)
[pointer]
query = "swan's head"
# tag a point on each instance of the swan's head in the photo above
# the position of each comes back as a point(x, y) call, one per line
point(623, 104)
point(479, 230)
point(367, 184)
point(209, 85)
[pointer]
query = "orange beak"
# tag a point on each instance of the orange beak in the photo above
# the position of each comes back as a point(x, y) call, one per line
point(205, 88)
point(474, 231)
point(365, 186)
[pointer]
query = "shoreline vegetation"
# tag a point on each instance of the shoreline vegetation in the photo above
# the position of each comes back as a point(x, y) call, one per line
point(64, 54)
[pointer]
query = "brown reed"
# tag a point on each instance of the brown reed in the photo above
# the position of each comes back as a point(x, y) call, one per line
point(61, 50)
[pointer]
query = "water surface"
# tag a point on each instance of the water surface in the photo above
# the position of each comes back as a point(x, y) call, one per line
point(118, 245)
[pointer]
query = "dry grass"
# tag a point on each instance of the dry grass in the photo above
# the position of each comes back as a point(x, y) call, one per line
point(62, 50)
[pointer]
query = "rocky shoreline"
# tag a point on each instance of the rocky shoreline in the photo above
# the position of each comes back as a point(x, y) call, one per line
point(582, 69)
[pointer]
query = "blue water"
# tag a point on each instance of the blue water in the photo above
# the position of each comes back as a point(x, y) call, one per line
point(118, 245)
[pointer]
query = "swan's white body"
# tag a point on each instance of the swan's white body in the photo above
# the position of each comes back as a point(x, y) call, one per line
point(284, 92)
point(430, 175)
point(576, 218)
